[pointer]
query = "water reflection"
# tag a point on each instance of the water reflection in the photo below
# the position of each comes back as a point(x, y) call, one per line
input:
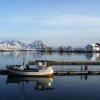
point(19, 54)
point(16, 57)
point(70, 87)
point(84, 77)
point(93, 56)
point(41, 83)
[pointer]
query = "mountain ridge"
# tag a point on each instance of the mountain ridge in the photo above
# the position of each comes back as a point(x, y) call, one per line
point(18, 45)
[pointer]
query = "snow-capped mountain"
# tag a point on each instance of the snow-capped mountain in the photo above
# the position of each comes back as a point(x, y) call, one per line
point(18, 45)
point(37, 45)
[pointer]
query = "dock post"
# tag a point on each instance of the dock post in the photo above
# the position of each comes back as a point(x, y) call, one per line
point(86, 68)
point(81, 67)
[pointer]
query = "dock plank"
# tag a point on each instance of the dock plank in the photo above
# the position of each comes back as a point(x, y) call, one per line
point(63, 73)
point(66, 62)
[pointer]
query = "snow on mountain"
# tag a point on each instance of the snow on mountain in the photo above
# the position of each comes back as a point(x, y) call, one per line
point(18, 45)
point(37, 45)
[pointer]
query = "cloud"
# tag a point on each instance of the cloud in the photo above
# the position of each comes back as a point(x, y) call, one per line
point(74, 21)
point(60, 21)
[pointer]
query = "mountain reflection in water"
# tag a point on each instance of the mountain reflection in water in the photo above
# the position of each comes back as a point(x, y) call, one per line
point(17, 56)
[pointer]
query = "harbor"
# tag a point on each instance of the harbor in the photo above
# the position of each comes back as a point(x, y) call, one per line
point(71, 72)
point(49, 49)
point(68, 72)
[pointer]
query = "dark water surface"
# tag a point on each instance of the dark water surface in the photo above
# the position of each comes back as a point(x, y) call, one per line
point(54, 88)
point(58, 87)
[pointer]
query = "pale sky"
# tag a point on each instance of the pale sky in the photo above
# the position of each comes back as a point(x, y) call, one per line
point(56, 22)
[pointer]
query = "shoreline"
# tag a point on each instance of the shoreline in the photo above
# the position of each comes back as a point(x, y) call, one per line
point(52, 51)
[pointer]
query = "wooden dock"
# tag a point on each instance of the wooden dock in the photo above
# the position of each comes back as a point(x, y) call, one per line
point(63, 73)
point(77, 72)
point(66, 62)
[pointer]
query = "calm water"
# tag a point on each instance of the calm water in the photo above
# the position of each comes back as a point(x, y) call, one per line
point(58, 87)
point(17, 57)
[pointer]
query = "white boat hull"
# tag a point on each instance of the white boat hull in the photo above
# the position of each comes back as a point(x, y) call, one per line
point(42, 72)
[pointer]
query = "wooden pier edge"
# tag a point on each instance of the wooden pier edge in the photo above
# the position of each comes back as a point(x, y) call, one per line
point(66, 62)
point(63, 73)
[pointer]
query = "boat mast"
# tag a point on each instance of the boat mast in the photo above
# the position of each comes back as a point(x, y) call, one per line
point(24, 54)
point(45, 55)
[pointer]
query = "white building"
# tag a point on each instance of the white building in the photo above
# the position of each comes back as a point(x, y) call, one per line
point(92, 47)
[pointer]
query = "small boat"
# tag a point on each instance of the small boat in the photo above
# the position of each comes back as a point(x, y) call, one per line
point(39, 70)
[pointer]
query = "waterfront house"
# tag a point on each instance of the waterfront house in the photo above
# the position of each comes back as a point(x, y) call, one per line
point(92, 47)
